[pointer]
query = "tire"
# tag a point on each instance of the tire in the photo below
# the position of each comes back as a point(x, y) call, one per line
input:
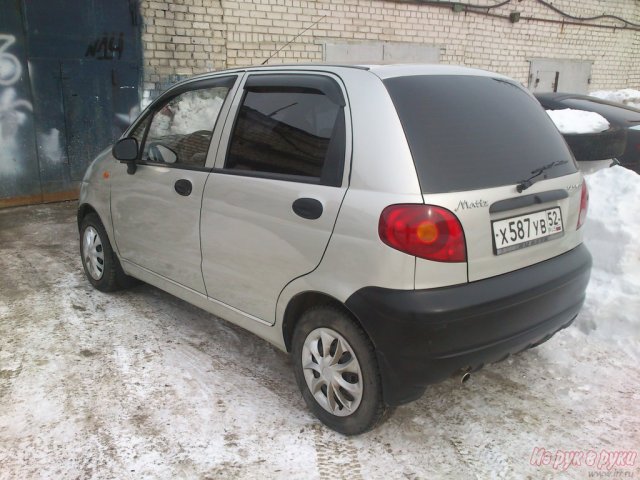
point(352, 411)
point(100, 262)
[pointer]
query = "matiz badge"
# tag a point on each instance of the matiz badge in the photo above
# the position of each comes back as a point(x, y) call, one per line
point(464, 205)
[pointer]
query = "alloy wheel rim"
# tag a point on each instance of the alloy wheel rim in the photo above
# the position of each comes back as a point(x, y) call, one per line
point(93, 253)
point(332, 372)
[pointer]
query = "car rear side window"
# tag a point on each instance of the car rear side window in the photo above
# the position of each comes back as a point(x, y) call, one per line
point(288, 130)
point(471, 132)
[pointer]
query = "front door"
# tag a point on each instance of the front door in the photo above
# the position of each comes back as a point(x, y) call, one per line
point(156, 210)
point(269, 207)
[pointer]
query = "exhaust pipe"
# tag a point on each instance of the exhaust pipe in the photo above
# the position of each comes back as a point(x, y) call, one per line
point(463, 375)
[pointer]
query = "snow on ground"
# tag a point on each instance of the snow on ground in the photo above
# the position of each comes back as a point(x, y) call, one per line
point(569, 120)
point(612, 311)
point(139, 384)
point(628, 96)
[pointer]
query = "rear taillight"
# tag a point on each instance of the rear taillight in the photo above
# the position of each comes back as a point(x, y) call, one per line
point(584, 204)
point(425, 231)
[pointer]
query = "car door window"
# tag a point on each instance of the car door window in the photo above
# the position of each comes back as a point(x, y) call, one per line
point(139, 130)
point(289, 131)
point(181, 129)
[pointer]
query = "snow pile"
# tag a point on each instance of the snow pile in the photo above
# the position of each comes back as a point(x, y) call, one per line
point(612, 309)
point(578, 121)
point(188, 113)
point(197, 111)
point(628, 96)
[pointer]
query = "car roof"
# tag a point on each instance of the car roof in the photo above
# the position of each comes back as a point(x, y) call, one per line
point(610, 110)
point(403, 70)
point(561, 95)
point(382, 71)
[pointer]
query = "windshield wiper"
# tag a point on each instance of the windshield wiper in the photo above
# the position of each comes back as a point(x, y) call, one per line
point(524, 184)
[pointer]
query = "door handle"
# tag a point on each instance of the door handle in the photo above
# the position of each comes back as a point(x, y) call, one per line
point(183, 187)
point(307, 208)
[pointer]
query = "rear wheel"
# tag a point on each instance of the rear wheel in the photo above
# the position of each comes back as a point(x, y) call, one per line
point(101, 265)
point(337, 371)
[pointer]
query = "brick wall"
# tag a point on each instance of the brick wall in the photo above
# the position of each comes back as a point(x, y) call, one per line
point(186, 37)
point(181, 38)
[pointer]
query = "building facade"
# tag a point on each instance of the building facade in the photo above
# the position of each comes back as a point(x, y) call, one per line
point(74, 73)
point(544, 46)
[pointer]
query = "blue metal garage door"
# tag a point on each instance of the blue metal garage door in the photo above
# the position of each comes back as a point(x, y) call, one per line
point(69, 78)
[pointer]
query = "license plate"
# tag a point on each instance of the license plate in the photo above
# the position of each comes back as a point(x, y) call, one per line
point(526, 230)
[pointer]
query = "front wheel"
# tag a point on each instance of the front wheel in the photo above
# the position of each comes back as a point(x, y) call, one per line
point(337, 372)
point(100, 262)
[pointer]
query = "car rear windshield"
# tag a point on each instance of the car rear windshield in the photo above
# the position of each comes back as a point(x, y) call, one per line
point(471, 132)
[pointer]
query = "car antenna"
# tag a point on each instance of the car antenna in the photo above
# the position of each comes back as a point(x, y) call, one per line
point(293, 39)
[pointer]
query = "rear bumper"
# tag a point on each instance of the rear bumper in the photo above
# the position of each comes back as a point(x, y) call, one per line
point(425, 336)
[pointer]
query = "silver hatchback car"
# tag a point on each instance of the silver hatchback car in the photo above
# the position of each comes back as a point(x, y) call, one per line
point(389, 226)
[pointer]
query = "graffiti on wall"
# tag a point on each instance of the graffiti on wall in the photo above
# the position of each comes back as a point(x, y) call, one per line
point(106, 48)
point(10, 68)
point(50, 146)
point(14, 111)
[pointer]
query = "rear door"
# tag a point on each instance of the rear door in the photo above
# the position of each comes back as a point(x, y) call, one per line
point(474, 139)
point(270, 204)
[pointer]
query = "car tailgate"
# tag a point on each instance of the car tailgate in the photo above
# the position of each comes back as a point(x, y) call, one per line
point(477, 209)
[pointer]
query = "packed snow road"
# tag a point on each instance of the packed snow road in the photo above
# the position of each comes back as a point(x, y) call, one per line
point(139, 384)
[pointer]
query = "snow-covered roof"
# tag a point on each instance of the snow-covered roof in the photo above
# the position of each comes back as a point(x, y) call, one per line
point(578, 121)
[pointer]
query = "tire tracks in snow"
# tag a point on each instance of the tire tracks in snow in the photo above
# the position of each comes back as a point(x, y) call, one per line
point(336, 456)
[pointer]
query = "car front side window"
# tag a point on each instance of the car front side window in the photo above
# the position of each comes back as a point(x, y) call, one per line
point(181, 128)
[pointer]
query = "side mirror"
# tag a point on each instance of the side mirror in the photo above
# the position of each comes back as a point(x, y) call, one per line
point(126, 151)
point(161, 154)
